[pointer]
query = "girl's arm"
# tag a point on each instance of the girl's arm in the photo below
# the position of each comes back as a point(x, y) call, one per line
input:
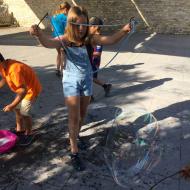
point(109, 40)
point(45, 40)
point(2, 82)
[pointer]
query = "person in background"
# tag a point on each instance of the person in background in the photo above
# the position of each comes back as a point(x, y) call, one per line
point(59, 21)
point(95, 29)
point(22, 80)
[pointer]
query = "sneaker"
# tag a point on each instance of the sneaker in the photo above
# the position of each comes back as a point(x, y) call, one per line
point(58, 73)
point(92, 99)
point(81, 144)
point(107, 89)
point(18, 133)
point(25, 140)
point(76, 162)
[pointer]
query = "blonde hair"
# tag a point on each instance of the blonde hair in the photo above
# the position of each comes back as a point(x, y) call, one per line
point(62, 7)
point(71, 29)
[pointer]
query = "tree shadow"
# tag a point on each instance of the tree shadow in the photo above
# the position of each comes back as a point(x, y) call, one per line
point(19, 39)
point(100, 114)
point(122, 67)
point(174, 110)
point(147, 85)
point(163, 44)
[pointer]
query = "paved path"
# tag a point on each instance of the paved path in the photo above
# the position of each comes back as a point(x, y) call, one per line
point(151, 72)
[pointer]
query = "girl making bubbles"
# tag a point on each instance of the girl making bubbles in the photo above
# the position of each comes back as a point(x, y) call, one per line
point(77, 75)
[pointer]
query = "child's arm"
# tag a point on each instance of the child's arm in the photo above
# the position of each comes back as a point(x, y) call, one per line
point(21, 92)
point(2, 82)
point(45, 40)
point(109, 40)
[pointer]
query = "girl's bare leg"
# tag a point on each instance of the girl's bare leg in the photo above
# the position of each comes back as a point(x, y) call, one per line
point(59, 59)
point(73, 104)
point(84, 102)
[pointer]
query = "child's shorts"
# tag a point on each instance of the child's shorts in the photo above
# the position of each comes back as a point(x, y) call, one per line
point(95, 71)
point(26, 107)
point(77, 86)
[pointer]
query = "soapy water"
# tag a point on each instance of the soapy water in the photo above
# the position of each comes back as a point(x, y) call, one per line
point(132, 148)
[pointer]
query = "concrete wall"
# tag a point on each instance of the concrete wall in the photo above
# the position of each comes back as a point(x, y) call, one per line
point(163, 16)
point(6, 18)
point(28, 12)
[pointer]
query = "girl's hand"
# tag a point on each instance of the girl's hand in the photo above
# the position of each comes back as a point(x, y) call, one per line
point(34, 30)
point(8, 108)
point(127, 28)
point(186, 172)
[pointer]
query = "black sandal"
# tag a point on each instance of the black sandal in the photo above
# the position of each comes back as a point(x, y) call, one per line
point(81, 144)
point(76, 162)
point(26, 140)
point(18, 133)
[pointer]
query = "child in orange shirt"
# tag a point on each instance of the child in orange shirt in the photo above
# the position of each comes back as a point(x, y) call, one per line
point(23, 81)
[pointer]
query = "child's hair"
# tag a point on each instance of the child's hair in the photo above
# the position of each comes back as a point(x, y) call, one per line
point(1, 58)
point(95, 21)
point(64, 5)
point(73, 15)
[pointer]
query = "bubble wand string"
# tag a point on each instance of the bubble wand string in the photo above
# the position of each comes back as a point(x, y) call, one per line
point(185, 173)
point(42, 19)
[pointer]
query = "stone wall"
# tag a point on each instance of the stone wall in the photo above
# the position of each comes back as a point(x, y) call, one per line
point(162, 16)
point(28, 12)
point(6, 18)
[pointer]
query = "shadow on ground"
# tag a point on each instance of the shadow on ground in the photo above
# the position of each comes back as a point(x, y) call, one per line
point(137, 43)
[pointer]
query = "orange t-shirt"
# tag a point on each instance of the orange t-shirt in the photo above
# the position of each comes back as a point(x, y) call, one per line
point(17, 74)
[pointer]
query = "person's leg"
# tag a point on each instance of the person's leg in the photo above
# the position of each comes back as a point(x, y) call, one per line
point(28, 137)
point(62, 60)
point(107, 87)
point(19, 121)
point(59, 62)
point(98, 82)
point(84, 102)
point(28, 123)
point(25, 110)
point(73, 104)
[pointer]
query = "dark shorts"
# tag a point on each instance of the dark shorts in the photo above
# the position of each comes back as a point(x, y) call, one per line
point(95, 71)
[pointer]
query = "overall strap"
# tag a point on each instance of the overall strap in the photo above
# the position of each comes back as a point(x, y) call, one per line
point(90, 50)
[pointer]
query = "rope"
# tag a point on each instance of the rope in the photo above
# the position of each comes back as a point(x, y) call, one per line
point(133, 23)
point(163, 179)
point(103, 25)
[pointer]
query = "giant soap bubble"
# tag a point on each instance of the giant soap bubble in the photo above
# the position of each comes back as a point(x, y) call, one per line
point(132, 148)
